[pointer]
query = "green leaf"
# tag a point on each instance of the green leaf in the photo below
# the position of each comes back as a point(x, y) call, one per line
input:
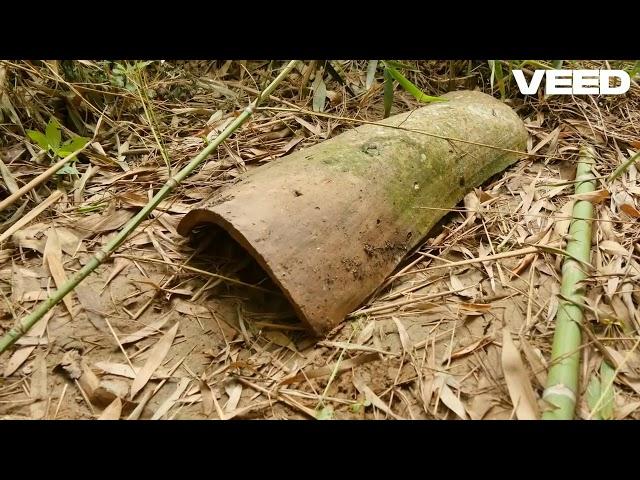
point(607, 376)
point(119, 69)
point(593, 394)
point(388, 92)
point(68, 170)
point(371, 73)
point(39, 138)
point(72, 145)
point(557, 64)
point(319, 94)
point(492, 67)
point(601, 394)
point(496, 71)
point(62, 152)
point(142, 65)
point(411, 88)
point(325, 413)
point(53, 134)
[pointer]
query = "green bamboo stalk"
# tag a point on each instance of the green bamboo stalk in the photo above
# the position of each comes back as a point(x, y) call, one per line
point(623, 167)
point(29, 321)
point(562, 381)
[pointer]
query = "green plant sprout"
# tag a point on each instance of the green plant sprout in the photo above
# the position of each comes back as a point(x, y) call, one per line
point(121, 75)
point(51, 142)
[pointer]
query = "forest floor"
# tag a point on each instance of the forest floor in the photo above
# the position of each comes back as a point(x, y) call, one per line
point(158, 321)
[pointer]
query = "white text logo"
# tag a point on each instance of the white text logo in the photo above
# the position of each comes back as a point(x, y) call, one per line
point(575, 82)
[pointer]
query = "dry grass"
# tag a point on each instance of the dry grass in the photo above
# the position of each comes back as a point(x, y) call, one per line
point(428, 344)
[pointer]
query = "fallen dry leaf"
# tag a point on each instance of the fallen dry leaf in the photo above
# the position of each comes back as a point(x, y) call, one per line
point(630, 210)
point(539, 368)
point(119, 265)
point(471, 347)
point(446, 395)
point(327, 370)
point(460, 288)
point(374, 399)
point(8, 178)
point(93, 306)
point(595, 197)
point(279, 339)
point(474, 308)
point(156, 356)
point(97, 223)
point(137, 411)
point(207, 397)
point(17, 358)
point(234, 391)
point(191, 309)
point(53, 258)
point(365, 334)
point(613, 248)
point(152, 328)
point(173, 398)
point(113, 410)
point(39, 390)
point(405, 340)
point(627, 410)
point(518, 384)
point(124, 370)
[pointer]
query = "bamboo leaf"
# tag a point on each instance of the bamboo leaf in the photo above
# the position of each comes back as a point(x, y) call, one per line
point(630, 210)
point(374, 399)
point(388, 93)
point(492, 68)
point(613, 247)
point(517, 378)
point(113, 411)
point(53, 258)
point(17, 359)
point(594, 196)
point(156, 356)
point(607, 377)
point(449, 398)
point(593, 395)
point(371, 73)
point(172, 399)
point(405, 340)
point(500, 79)
point(144, 332)
point(7, 176)
point(207, 397)
point(39, 390)
point(319, 94)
